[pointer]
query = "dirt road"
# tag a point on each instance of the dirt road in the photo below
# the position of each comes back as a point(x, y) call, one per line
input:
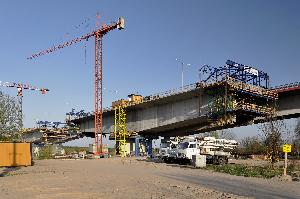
point(115, 178)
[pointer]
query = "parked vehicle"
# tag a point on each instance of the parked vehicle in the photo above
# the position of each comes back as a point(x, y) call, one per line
point(217, 151)
point(165, 147)
point(185, 150)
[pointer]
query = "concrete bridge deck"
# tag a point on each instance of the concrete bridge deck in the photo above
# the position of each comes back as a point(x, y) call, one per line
point(184, 112)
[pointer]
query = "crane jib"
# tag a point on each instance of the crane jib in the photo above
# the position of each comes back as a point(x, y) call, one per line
point(104, 30)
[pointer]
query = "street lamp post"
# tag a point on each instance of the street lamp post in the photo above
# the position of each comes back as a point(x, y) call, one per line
point(182, 66)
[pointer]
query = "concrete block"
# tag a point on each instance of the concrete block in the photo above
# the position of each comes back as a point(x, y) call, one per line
point(199, 161)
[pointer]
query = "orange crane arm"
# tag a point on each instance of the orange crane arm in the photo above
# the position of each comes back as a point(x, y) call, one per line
point(105, 29)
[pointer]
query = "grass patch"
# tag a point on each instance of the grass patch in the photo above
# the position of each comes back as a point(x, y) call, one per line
point(247, 171)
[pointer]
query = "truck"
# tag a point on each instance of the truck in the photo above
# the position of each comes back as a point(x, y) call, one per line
point(165, 147)
point(185, 150)
point(217, 151)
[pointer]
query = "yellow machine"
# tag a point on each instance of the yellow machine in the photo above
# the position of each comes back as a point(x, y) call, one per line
point(135, 99)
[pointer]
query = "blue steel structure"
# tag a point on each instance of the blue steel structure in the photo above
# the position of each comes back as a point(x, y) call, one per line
point(240, 72)
point(80, 113)
point(46, 124)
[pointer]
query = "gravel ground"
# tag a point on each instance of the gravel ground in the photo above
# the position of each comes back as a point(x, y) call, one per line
point(128, 178)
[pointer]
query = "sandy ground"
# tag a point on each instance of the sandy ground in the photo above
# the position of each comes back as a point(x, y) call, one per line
point(115, 178)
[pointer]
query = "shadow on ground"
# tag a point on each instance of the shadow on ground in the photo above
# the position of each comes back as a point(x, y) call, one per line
point(7, 170)
point(173, 164)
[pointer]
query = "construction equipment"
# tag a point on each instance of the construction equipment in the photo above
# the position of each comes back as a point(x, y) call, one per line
point(217, 151)
point(120, 130)
point(98, 34)
point(73, 114)
point(48, 133)
point(20, 87)
point(237, 93)
point(166, 146)
point(240, 72)
point(135, 99)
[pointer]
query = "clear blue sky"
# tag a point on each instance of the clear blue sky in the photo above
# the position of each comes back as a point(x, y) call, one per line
point(141, 58)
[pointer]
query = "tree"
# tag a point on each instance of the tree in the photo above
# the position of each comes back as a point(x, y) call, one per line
point(253, 145)
point(10, 117)
point(274, 132)
point(226, 134)
point(297, 130)
point(296, 141)
point(221, 134)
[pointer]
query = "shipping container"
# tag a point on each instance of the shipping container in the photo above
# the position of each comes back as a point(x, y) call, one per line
point(15, 154)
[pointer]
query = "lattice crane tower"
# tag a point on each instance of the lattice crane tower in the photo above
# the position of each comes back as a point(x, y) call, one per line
point(98, 34)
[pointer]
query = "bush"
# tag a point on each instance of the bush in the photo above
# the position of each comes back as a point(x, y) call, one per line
point(45, 153)
point(74, 149)
point(247, 171)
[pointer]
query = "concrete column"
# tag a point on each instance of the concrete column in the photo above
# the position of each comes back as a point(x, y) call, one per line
point(137, 147)
point(149, 147)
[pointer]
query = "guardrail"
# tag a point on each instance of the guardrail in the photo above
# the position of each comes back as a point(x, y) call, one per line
point(168, 93)
point(289, 85)
point(149, 98)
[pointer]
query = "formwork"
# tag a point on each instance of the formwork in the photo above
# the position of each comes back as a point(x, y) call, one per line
point(15, 154)
point(231, 101)
point(237, 93)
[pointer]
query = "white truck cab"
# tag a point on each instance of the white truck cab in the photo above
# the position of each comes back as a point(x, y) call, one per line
point(187, 149)
point(165, 148)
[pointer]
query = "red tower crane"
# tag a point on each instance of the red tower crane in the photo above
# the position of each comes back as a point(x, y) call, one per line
point(98, 34)
point(20, 88)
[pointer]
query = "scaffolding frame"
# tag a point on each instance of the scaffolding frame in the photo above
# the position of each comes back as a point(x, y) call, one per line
point(232, 100)
point(120, 130)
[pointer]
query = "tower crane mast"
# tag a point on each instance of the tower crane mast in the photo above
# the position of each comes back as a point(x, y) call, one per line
point(98, 34)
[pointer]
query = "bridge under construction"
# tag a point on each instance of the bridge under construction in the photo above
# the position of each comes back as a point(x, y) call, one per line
point(230, 96)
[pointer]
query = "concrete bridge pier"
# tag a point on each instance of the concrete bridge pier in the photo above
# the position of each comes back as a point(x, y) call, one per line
point(137, 146)
point(149, 147)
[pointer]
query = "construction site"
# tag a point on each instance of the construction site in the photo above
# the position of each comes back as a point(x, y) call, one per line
point(190, 142)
